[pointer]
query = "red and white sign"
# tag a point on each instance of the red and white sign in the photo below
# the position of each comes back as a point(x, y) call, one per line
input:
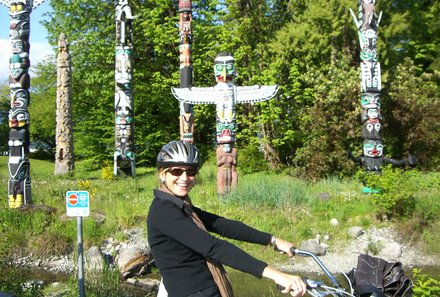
point(73, 199)
point(77, 203)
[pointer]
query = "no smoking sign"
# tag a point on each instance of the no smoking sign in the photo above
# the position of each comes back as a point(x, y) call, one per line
point(77, 203)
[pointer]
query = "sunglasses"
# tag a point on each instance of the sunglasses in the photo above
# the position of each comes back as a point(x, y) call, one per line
point(179, 171)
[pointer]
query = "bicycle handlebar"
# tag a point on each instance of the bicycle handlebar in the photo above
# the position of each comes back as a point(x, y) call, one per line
point(299, 252)
point(318, 288)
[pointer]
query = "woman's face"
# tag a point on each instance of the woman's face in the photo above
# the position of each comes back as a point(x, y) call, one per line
point(179, 179)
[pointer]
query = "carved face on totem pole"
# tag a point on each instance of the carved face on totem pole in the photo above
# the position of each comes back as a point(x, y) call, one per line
point(371, 117)
point(19, 29)
point(373, 148)
point(18, 45)
point(224, 68)
point(370, 113)
point(19, 98)
point(18, 7)
point(18, 117)
point(124, 114)
point(19, 65)
point(370, 99)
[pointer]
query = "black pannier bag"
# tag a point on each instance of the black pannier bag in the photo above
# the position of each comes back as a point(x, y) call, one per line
point(379, 278)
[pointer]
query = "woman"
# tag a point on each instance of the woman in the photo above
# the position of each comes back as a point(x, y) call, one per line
point(188, 257)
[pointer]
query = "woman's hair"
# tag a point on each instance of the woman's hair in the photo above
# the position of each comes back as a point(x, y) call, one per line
point(178, 153)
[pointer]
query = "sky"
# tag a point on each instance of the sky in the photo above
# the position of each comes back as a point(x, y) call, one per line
point(39, 45)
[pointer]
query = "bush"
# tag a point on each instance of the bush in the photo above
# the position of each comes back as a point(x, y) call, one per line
point(425, 286)
point(393, 191)
point(251, 159)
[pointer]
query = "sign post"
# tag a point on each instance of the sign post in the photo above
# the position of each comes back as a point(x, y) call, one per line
point(77, 205)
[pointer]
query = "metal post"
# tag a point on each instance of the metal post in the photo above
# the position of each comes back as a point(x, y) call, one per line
point(80, 258)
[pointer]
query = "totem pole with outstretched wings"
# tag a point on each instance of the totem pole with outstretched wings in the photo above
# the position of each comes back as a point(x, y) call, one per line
point(225, 95)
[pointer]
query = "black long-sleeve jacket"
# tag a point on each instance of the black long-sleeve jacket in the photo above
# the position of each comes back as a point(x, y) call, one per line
point(180, 248)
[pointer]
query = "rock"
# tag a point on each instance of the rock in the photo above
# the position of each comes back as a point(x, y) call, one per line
point(392, 251)
point(355, 232)
point(94, 259)
point(334, 222)
point(324, 196)
point(313, 247)
point(146, 283)
point(133, 261)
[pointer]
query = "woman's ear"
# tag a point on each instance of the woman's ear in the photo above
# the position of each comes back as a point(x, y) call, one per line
point(162, 177)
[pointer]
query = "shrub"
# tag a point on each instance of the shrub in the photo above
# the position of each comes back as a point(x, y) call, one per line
point(107, 170)
point(394, 191)
point(425, 286)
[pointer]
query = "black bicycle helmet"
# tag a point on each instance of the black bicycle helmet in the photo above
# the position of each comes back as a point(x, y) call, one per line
point(178, 153)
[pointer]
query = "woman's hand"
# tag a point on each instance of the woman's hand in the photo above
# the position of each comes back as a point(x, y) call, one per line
point(292, 284)
point(284, 246)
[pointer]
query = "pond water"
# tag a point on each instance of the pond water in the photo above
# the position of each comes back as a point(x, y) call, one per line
point(244, 284)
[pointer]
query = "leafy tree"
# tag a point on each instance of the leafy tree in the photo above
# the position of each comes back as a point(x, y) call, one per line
point(332, 124)
point(305, 46)
point(309, 48)
point(42, 107)
point(5, 106)
point(410, 28)
point(412, 103)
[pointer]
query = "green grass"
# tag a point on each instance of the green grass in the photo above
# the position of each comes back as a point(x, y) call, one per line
point(290, 208)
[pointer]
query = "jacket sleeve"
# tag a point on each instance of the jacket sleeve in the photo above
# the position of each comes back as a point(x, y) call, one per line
point(232, 229)
point(171, 221)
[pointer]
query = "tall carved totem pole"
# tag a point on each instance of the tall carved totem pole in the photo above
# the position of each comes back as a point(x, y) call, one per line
point(225, 95)
point(64, 157)
point(367, 23)
point(186, 70)
point(124, 115)
point(19, 184)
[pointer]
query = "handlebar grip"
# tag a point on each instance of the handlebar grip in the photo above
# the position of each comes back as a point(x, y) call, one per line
point(293, 250)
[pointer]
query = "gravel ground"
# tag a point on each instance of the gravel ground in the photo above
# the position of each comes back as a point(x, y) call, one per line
point(392, 248)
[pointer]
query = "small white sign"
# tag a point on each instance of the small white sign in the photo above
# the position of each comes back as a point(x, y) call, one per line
point(77, 203)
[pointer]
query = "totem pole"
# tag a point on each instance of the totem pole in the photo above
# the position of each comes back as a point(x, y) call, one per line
point(19, 185)
point(367, 24)
point(64, 161)
point(186, 78)
point(225, 95)
point(124, 115)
